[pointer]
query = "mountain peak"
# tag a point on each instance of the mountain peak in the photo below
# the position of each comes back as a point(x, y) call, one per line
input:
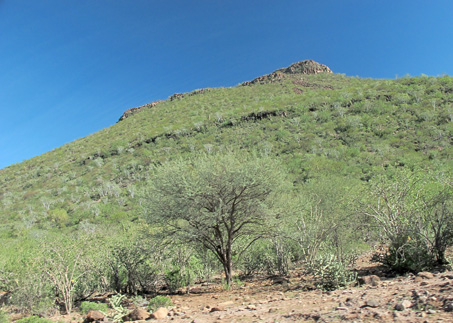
point(305, 67)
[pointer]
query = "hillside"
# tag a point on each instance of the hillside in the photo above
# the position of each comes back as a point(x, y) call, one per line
point(331, 149)
point(318, 123)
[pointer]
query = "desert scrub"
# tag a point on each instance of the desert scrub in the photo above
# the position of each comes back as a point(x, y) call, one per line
point(3, 317)
point(116, 304)
point(159, 301)
point(33, 319)
point(85, 307)
point(331, 273)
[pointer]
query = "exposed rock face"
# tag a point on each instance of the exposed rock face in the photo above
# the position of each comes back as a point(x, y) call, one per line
point(132, 111)
point(303, 67)
point(175, 96)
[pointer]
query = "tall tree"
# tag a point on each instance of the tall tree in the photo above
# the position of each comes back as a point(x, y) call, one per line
point(217, 201)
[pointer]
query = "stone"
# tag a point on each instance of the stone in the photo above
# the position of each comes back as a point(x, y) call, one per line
point(403, 305)
point(94, 316)
point(372, 280)
point(426, 275)
point(280, 280)
point(251, 307)
point(160, 313)
point(217, 309)
point(373, 303)
point(448, 306)
point(136, 315)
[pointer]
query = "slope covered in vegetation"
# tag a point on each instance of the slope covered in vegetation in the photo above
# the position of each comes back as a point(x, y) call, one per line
point(332, 133)
point(318, 124)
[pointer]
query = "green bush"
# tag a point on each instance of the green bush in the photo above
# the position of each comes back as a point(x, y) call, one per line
point(159, 301)
point(3, 317)
point(33, 319)
point(331, 273)
point(176, 279)
point(85, 307)
point(413, 213)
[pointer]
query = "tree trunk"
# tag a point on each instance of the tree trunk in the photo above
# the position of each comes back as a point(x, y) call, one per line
point(228, 272)
point(228, 266)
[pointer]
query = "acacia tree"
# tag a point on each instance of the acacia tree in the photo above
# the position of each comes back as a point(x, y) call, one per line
point(216, 201)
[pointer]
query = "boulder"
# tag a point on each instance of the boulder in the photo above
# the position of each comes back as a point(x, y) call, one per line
point(426, 275)
point(372, 280)
point(136, 315)
point(94, 316)
point(373, 302)
point(160, 313)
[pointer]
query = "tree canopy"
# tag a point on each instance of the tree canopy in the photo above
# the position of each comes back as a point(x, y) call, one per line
point(224, 202)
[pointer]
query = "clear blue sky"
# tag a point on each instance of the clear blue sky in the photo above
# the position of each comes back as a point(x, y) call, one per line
point(69, 68)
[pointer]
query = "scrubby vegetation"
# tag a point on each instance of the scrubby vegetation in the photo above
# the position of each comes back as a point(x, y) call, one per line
point(332, 165)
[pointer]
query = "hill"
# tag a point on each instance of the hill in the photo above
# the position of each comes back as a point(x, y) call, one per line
point(344, 144)
point(318, 123)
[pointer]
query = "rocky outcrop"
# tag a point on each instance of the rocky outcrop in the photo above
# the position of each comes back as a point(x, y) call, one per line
point(304, 67)
point(132, 111)
point(175, 96)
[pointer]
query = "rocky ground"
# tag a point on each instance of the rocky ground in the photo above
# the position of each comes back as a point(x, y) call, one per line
point(425, 297)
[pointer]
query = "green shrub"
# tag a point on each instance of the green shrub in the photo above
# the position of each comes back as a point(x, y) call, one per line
point(176, 279)
point(413, 212)
point(159, 301)
point(85, 307)
point(116, 304)
point(3, 317)
point(33, 319)
point(331, 273)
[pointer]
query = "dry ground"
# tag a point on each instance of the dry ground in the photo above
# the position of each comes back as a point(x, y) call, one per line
point(428, 296)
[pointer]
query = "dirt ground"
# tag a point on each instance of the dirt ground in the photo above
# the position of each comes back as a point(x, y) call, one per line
point(382, 297)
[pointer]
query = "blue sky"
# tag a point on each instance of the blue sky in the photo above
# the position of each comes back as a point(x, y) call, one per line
point(69, 68)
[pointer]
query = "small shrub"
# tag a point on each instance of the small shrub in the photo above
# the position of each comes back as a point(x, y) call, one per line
point(85, 307)
point(331, 273)
point(116, 304)
point(33, 319)
point(3, 317)
point(176, 279)
point(159, 301)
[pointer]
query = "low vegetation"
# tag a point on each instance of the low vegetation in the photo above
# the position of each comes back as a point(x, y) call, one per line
point(302, 170)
